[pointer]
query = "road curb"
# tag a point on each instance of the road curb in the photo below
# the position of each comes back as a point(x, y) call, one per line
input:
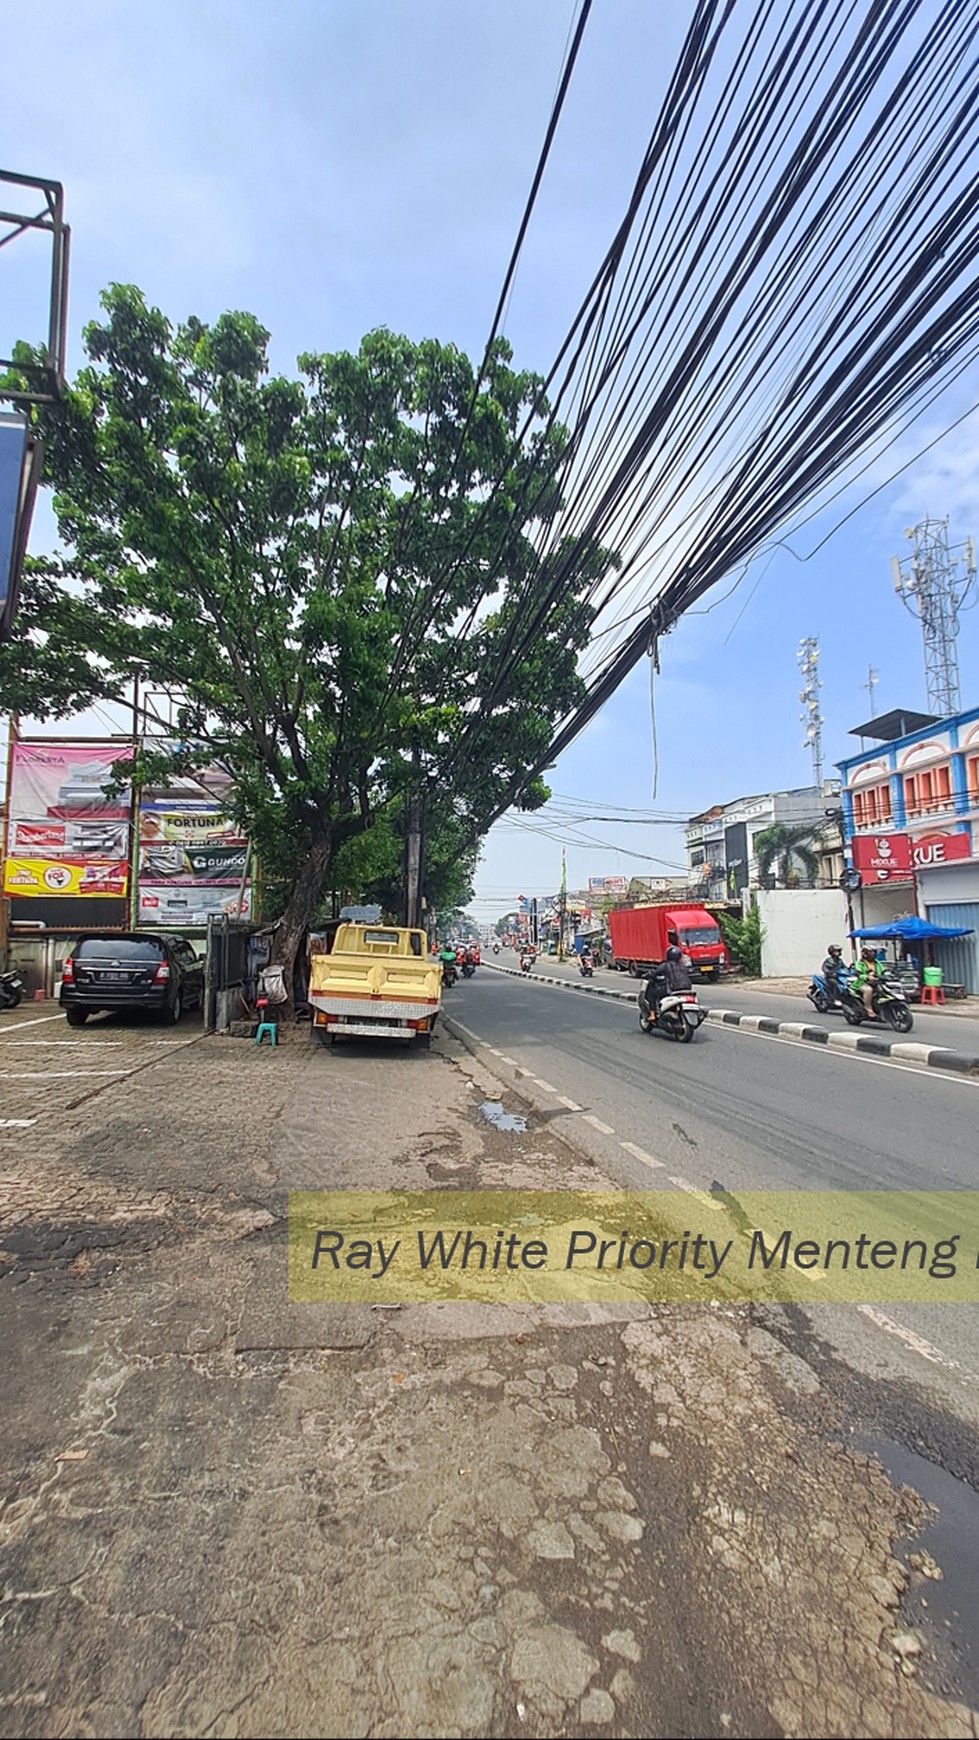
point(865, 1044)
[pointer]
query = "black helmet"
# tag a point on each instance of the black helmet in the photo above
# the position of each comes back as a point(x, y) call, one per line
point(834, 949)
point(673, 953)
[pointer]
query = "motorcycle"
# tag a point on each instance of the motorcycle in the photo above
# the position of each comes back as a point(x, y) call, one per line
point(11, 990)
point(526, 962)
point(496, 948)
point(468, 969)
point(890, 1008)
point(825, 996)
point(585, 967)
point(678, 1015)
point(450, 975)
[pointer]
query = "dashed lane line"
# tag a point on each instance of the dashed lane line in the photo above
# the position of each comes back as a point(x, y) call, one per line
point(596, 1124)
point(572, 1105)
point(16, 1123)
point(546, 1085)
point(640, 1154)
point(701, 1196)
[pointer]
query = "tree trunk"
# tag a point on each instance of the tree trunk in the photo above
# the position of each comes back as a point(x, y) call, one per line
point(295, 921)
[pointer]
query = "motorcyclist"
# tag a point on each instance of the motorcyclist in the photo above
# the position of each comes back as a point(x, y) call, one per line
point(671, 974)
point(865, 976)
point(447, 957)
point(832, 970)
point(528, 955)
point(586, 961)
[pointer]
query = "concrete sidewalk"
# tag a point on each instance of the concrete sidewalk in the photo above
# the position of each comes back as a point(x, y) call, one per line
point(227, 1515)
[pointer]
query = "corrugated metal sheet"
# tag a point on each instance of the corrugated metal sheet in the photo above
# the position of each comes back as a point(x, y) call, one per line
point(957, 956)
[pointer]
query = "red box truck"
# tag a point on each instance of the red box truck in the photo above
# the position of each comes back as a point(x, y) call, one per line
point(641, 935)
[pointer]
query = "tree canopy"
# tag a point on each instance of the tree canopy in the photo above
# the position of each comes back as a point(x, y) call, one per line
point(323, 570)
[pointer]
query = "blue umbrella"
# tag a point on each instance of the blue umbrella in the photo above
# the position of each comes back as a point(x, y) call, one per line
point(908, 930)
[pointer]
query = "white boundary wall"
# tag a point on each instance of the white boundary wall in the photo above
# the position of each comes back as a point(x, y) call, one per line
point(798, 924)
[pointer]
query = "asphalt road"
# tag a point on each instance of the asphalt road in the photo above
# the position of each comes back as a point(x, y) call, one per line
point(956, 1026)
point(748, 1112)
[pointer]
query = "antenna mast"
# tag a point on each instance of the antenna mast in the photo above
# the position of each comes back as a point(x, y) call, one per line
point(808, 660)
point(928, 584)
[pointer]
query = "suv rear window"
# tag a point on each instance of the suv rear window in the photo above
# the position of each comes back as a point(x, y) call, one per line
point(118, 948)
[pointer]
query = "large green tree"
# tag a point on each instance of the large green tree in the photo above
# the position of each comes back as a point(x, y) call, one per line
point(324, 570)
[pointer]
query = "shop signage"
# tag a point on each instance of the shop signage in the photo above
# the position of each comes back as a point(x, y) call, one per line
point(936, 849)
point(882, 857)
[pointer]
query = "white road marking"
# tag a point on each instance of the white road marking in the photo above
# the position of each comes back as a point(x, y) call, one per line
point(640, 1154)
point(701, 1195)
point(916, 1343)
point(848, 1056)
point(548, 1089)
point(36, 1022)
point(572, 1105)
point(51, 1043)
point(55, 1074)
point(596, 1124)
point(504, 1059)
point(16, 1123)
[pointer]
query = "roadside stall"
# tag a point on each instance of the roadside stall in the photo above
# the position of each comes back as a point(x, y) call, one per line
point(913, 961)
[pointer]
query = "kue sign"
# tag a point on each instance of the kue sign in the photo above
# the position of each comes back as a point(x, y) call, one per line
point(937, 849)
point(882, 857)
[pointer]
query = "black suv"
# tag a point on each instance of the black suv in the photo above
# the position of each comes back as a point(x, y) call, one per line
point(153, 970)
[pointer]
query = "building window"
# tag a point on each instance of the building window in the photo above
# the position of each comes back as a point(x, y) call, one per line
point(872, 807)
point(928, 793)
point(972, 781)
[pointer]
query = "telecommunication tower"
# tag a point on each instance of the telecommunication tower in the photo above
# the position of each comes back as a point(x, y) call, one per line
point(808, 660)
point(927, 582)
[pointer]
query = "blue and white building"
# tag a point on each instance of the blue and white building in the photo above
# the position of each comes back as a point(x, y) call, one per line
point(920, 778)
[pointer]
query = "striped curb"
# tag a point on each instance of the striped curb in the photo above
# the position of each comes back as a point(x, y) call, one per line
point(868, 1044)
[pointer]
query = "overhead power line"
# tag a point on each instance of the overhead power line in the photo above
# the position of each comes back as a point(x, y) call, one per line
point(793, 281)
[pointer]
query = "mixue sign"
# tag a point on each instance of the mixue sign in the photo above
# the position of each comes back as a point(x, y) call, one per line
point(882, 857)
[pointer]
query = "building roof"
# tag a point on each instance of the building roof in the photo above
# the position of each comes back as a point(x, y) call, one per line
point(899, 722)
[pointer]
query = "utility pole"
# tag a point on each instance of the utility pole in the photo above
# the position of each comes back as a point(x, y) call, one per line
point(414, 860)
point(927, 583)
point(808, 661)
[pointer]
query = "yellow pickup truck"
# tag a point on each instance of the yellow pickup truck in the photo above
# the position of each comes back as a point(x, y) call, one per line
point(377, 982)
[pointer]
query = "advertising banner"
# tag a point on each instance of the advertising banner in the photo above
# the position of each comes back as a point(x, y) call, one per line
point(191, 864)
point(178, 822)
point(208, 783)
point(94, 839)
point(62, 782)
point(882, 857)
point(35, 877)
point(179, 906)
point(608, 884)
point(936, 849)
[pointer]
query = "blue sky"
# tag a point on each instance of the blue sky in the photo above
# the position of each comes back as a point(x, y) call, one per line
point(334, 165)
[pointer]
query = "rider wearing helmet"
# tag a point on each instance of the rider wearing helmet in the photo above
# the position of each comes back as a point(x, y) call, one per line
point(868, 969)
point(833, 969)
point(669, 975)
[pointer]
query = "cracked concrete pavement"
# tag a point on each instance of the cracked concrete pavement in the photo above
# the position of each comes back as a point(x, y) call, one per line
point(226, 1515)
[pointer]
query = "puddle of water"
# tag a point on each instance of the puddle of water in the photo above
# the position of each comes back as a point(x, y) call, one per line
point(952, 1540)
point(494, 1114)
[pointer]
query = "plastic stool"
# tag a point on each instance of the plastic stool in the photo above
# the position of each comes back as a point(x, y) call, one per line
point(271, 1029)
point(932, 994)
